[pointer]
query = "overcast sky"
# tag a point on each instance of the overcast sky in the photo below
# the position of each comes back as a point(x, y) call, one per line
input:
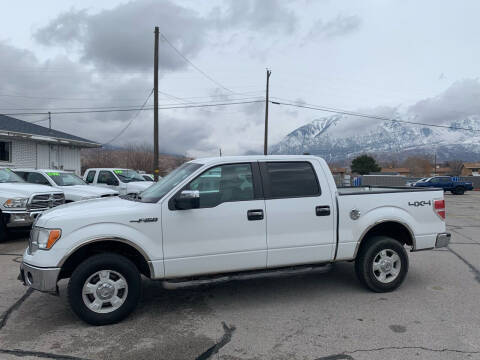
point(371, 55)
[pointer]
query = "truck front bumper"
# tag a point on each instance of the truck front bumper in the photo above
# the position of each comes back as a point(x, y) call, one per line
point(41, 279)
point(443, 240)
point(19, 219)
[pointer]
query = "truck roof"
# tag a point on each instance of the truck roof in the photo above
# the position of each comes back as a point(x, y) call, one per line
point(42, 170)
point(253, 158)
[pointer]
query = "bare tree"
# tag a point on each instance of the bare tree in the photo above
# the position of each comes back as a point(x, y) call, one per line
point(456, 166)
point(418, 165)
point(137, 157)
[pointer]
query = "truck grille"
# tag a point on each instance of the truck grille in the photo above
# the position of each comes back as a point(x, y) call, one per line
point(46, 201)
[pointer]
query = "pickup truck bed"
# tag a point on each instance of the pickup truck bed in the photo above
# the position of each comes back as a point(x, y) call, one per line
point(347, 190)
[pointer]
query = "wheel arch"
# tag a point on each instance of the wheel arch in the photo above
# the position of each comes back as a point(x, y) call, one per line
point(395, 229)
point(114, 245)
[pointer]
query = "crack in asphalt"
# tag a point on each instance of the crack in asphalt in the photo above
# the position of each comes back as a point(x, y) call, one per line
point(466, 262)
point(465, 236)
point(6, 314)
point(39, 354)
point(346, 355)
point(8, 254)
point(224, 340)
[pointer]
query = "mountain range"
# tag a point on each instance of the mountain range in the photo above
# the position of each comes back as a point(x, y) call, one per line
point(337, 140)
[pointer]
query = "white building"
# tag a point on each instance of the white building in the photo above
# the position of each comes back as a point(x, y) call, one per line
point(23, 144)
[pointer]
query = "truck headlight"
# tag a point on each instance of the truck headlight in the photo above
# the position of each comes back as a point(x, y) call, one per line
point(18, 203)
point(44, 239)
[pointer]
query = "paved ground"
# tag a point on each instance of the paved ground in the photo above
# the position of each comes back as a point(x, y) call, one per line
point(434, 315)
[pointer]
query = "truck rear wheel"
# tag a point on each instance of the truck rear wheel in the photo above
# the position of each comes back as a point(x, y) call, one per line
point(458, 191)
point(382, 264)
point(104, 289)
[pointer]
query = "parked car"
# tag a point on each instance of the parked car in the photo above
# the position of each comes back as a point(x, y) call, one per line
point(125, 181)
point(149, 177)
point(74, 187)
point(257, 215)
point(446, 183)
point(412, 182)
point(21, 202)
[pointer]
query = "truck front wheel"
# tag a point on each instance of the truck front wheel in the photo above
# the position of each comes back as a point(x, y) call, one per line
point(104, 289)
point(381, 264)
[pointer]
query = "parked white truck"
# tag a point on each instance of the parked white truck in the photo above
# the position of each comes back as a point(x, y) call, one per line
point(228, 217)
point(21, 203)
point(74, 188)
point(125, 181)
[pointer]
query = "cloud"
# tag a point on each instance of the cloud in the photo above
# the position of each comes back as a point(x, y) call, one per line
point(258, 15)
point(340, 26)
point(460, 100)
point(123, 36)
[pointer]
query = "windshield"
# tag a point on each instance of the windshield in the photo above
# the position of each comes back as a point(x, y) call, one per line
point(128, 175)
point(8, 176)
point(65, 179)
point(157, 191)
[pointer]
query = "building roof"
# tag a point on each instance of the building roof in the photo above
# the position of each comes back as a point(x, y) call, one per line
point(395, 170)
point(20, 128)
point(337, 170)
point(471, 165)
point(442, 170)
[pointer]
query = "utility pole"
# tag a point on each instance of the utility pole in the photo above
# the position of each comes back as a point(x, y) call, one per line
point(435, 164)
point(265, 141)
point(155, 107)
point(220, 151)
point(49, 121)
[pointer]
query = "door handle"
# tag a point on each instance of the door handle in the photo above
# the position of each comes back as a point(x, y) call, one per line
point(322, 210)
point(256, 214)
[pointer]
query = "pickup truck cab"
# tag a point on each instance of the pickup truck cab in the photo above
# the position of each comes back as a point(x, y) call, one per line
point(446, 183)
point(21, 202)
point(74, 188)
point(228, 217)
point(125, 181)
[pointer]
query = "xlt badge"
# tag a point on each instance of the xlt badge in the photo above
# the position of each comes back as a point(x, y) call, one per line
point(145, 220)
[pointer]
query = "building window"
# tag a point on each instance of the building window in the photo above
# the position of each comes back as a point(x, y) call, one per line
point(5, 151)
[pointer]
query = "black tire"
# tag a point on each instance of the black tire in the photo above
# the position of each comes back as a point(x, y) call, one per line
point(365, 261)
point(3, 229)
point(90, 266)
point(459, 191)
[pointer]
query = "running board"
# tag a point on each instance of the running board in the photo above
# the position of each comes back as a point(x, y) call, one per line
point(246, 275)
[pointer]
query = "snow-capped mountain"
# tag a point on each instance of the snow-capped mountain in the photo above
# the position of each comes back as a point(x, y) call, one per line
point(341, 137)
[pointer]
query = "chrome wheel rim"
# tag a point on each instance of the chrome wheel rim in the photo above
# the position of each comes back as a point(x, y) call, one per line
point(386, 266)
point(105, 291)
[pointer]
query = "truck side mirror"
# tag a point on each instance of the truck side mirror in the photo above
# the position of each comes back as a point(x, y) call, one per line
point(188, 199)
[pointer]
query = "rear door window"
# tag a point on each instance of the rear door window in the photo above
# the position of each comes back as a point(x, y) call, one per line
point(90, 177)
point(290, 179)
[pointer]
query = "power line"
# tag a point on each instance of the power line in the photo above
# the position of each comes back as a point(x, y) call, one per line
point(131, 120)
point(137, 109)
point(376, 117)
point(195, 66)
point(126, 107)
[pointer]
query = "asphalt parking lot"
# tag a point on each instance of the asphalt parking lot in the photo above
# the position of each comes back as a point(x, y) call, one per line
point(434, 315)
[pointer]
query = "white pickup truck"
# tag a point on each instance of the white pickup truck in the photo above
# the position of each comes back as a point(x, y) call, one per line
point(21, 203)
point(227, 217)
point(125, 181)
point(74, 188)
